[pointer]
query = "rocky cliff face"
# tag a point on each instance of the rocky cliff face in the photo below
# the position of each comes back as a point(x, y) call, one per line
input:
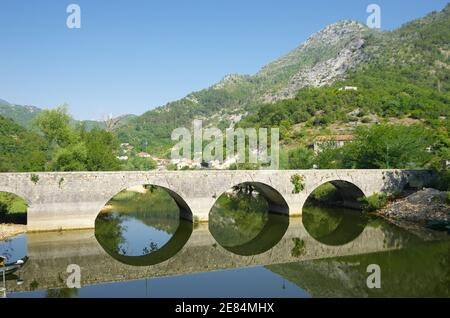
point(323, 58)
point(326, 56)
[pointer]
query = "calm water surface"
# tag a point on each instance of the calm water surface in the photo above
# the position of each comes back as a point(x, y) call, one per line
point(142, 250)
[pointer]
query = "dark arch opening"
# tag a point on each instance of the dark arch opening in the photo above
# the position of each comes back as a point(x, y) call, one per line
point(13, 208)
point(332, 214)
point(336, 193)
point(249, 219)
point(144, 225)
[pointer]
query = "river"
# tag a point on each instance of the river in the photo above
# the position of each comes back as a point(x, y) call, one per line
point(140, 249)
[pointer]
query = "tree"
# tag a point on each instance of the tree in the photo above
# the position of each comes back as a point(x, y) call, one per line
point(391, 146)
point(111, 123)
point(332, 157)
point(301, 158)
point(141, 164)
point(20, 150)
point(71, 158)
point(54, 124)
point(100, 151)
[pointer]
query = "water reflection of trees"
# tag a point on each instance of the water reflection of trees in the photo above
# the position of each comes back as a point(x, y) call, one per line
point(238, 216)
point(333, 226)
point(338, 226)
point(62, 293)
point(152, 247)
point(155, 208)
point(421, 270)
point(110, 231)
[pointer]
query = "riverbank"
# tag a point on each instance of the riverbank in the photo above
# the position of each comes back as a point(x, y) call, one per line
point(10, 230)
point(427, 208)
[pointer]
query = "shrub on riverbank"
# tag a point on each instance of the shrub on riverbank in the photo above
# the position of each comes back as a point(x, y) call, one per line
point(374, 202)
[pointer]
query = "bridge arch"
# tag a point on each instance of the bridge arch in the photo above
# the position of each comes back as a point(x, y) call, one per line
point(272, 230)
point(169, 248)
point(276, 201)
point(185, 210)
point(349, 191)
point(13, 208)
point(166, 252)
point(327, 218)
point(18, 192)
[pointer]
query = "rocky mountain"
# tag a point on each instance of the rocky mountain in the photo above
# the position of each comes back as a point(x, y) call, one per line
point(344, 53)
point(400, 73)
point(325, 57)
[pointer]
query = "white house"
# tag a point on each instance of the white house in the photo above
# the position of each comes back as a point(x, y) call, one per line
point(334, 140)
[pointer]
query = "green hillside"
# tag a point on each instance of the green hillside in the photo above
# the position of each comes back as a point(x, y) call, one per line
point(236, 94)
point(399, 74)
point(407, 76)
point(23, 115)
point(20, 150)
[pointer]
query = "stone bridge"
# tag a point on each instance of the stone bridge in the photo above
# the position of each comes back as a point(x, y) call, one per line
point(72, 200)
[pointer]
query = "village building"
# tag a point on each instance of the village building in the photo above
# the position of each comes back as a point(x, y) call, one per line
point(336, 141)
point(143, 155)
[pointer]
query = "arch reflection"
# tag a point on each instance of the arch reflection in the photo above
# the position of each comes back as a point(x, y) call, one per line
point(334, 226)
point(249, 219)
point(144, 225)
point(332, 214)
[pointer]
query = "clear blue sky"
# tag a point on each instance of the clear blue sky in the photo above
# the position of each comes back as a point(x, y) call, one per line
point(130, 56)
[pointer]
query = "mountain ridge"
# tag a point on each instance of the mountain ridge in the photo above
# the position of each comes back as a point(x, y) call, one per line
point(24, 115)
point(331, 56)
point(235, 94)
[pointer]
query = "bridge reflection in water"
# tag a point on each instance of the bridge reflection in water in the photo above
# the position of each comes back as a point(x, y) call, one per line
point(51, 253)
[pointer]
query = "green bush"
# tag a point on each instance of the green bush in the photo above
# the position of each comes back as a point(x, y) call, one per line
point(374, 202)
point(297, 181)
point(34, 178)
point(299, 247)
